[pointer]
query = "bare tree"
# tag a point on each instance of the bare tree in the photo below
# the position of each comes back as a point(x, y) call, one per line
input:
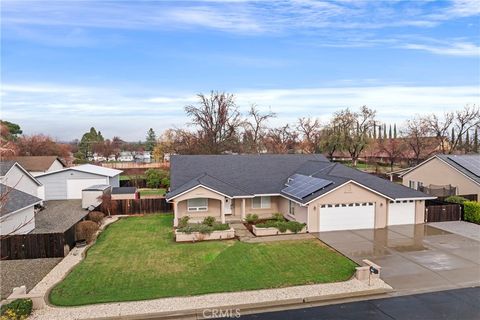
point(255, 129)
point(281, 140)
point(393, 148)
point(417, 136)
point(310, 130)
point(440, 128)
point(331, 140)
point(218, 120)
point(463, 121)
point(355, 128)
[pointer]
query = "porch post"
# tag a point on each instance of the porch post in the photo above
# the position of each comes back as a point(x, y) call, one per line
point(222, 210)
point(243, 209)
point(175, 214)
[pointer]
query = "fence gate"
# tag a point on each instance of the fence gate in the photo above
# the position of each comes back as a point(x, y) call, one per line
point(443, 212)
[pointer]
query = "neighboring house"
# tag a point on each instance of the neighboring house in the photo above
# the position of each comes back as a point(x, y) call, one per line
point(444, 175)
point(125, 156)
point(306, 188)
point(40, 164)
point(98, 158)
point(17, 211)
point(68, 183)
point(15, 176)
point(112, 157)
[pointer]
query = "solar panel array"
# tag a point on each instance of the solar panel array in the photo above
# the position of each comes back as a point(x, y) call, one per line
point(300, 186)
point(471, 163)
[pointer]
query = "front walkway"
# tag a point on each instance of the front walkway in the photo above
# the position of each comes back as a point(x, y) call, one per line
point(241, 231)
point(466, 229)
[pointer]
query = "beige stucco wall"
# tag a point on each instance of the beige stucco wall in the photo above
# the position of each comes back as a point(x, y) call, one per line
point(437, 172)
point(347, 194)
point(262, 213)
point(215, 201)
point(419, 211)
point(301, 212)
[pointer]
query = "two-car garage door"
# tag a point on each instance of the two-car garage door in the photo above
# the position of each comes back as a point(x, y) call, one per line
point(347, 216)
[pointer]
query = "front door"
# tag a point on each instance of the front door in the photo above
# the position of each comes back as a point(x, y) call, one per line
point(228, 206)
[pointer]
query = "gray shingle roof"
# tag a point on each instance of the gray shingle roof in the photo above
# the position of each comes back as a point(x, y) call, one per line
point(451, 160)
point(248, 175)
point(59, 216)
point(5, 166)
point(15, 200)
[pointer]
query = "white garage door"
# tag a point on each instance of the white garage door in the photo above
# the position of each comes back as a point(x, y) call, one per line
point(347, 216)
point(401, 212)
point(75, 186)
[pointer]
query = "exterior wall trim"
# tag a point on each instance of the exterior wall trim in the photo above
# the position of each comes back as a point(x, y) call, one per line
point(198, 186)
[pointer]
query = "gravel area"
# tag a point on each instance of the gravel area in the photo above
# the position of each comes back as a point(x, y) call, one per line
point(16, 273)
point(208, 301)
point(466, 229)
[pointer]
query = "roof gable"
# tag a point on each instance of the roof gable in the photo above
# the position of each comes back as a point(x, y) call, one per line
point(38, 163)
point(88, 168)
point(6, 166)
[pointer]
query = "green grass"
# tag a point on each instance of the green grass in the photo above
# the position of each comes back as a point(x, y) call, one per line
point(150, 192)
point(136, 259)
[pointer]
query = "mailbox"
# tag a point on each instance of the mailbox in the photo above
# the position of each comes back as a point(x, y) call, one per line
point(373, 270)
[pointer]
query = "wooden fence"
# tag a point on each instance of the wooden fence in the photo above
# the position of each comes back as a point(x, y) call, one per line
point(443, 211)
point(140, 206)
point(33, 246)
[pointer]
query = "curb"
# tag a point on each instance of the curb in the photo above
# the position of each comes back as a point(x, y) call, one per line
point(249, 308)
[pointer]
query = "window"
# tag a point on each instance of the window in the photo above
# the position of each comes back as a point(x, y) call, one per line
point(419, 185)
point(291, 207)
point(197, 204)
point(411, 184)
point(261, 203)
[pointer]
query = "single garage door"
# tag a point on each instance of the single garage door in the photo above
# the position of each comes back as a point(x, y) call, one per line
point(75, 186)
point(347, 216)
point(401, 212)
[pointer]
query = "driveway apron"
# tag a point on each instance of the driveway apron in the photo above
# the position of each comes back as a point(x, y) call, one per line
point(413, 257)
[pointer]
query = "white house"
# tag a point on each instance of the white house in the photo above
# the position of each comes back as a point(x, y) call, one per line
point(36, 165)
point(17, 212)
point(68, 183)
point(126, 156)
point(13, 175)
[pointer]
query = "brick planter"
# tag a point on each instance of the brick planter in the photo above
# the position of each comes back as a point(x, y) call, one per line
point(261, 232)
point(197, 236)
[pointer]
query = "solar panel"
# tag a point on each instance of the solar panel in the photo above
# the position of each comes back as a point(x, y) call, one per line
point(300, 186)
point(470, 163)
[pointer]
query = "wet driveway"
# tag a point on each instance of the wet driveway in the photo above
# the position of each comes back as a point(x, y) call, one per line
point(413, 257)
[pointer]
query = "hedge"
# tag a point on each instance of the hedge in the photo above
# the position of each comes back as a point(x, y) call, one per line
point(472, 211)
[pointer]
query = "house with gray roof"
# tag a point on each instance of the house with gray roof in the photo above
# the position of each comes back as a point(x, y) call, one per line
point(17, 211)
point(14, 175)
point(306, 188)
point(444, 175)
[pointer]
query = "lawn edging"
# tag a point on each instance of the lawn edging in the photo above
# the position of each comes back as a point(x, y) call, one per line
point(272, 231)
point(197, 236)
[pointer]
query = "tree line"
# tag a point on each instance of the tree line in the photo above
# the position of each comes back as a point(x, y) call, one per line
point(216, 126)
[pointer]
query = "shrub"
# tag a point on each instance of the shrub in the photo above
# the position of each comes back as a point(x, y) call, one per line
point(166, 182)
point(183, 221)
point(456, 199)
point(96, 216)
point(154, 177)
point(16, 310)
point(278, 217)
point(203, 228)
point(209, 221)
point(283, 226)
point(86, 230)
point(252, 218)
point(472, 211)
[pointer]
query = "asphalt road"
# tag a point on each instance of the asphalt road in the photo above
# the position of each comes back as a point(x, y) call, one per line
point(462, 304)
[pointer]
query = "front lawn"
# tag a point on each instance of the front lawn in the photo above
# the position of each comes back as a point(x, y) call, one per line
point(136, 258)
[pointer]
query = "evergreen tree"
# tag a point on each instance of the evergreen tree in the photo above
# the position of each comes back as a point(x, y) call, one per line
point(395, 130)
point(380, 132)
point(460, 140)
point(385, 132)
point(374, 130)
point(475, 140)
point(85, 147)
point(390, 131)
point(467, 141)
point(453, 135)
point(151, 140)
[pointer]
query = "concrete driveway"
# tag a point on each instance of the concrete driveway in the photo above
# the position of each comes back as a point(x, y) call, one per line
point(413, 257)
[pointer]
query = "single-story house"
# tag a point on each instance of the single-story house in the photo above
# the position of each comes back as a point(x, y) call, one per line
point(17, 211)
point(13, 175)
point(40, 164)
point(444, 175)
point(68, 183)
point(306, 188)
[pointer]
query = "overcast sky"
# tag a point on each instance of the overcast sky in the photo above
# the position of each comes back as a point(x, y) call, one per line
point(124, 67)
